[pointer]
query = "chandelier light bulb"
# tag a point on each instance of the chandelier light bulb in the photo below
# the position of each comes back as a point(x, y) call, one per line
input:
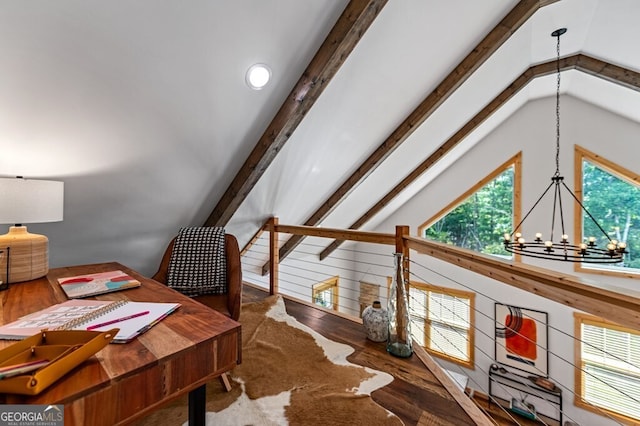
point(548, 246)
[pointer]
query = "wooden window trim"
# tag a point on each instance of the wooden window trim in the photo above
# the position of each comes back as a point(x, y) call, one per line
point(471, 341)
point(331, 283)
point(516, 162)
point(578, 401)
point(620, 172)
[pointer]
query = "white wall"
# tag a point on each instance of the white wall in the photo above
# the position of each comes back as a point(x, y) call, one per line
point(299, 271)
point(141, 108)
point(532, 130)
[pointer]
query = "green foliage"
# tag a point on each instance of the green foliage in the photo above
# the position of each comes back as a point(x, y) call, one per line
point(615, 204)
point(324, 298)
point(479, 222)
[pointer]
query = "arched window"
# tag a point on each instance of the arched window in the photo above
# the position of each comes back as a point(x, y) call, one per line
point(611, 194)
point(478, 218)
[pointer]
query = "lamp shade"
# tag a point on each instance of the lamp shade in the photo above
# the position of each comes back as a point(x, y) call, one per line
point(30, 201)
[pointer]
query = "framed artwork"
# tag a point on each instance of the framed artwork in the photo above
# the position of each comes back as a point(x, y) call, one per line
point(521, 339)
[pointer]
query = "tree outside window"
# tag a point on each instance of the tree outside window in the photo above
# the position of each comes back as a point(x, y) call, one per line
point(611, 195)
point(325, 294)
point(478, 219)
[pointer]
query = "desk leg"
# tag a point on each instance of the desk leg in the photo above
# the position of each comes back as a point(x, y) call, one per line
point(198, 406)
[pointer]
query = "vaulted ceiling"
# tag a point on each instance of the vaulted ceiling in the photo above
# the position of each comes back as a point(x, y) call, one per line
point(140, 106)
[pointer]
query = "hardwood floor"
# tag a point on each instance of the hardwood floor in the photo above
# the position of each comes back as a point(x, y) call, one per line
point(416, 395)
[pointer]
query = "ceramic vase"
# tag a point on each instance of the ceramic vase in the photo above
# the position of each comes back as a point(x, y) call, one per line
point(399, 339)
point(376, 322)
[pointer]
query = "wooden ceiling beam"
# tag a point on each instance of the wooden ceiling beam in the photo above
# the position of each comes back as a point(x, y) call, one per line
point(343, 37)
point(596, 67)
point(490, 44)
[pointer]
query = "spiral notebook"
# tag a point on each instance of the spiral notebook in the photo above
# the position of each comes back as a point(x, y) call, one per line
point(132, 318)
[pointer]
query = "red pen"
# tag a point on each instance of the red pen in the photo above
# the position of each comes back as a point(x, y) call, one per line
point(25, 367)
point(103, 324)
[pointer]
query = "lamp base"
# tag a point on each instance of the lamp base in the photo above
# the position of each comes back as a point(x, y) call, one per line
point(28, 255)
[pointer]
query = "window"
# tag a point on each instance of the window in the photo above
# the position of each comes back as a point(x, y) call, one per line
point(478, 219)
point(325, 294)
point(612, 196)
point(442, 321)
point(608, 359)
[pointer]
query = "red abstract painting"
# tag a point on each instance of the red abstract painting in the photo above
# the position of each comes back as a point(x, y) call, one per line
point(521, 339)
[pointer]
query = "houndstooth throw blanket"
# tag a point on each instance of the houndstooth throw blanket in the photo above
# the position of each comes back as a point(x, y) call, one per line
point(198, 262)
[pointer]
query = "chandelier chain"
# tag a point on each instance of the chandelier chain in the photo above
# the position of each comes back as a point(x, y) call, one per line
point(558, 106)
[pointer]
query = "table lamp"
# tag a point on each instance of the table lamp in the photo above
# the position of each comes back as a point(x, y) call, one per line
point(28, 201)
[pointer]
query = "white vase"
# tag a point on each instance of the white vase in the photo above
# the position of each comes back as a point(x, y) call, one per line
point(376, 322)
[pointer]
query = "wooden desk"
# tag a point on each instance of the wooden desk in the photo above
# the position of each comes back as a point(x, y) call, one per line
point(124, 382)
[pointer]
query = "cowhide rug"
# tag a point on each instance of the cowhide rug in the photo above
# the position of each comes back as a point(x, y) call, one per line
point(290, 375)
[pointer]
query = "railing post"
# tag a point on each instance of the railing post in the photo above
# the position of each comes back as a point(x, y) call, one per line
point(399, 340)
point(274, 256)
point(403, 247)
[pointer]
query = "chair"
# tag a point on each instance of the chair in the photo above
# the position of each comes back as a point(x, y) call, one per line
point(228, 303)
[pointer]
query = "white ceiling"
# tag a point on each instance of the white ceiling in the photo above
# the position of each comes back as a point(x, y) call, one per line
point(140, 106)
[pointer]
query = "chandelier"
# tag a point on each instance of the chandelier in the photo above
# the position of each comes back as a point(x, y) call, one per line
point(562, 249)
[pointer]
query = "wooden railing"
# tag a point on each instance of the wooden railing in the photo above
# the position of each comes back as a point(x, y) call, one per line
point(566, 289)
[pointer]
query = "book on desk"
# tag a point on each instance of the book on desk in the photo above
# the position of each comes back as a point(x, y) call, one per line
point(131, 318)
point(98, 283)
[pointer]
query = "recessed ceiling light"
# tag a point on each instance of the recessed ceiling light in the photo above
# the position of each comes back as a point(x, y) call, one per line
point(258, 76)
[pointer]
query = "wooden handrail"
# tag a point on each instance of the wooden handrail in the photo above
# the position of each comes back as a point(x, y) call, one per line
point(566, 289)
point(575, 292)
point(341, 234)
